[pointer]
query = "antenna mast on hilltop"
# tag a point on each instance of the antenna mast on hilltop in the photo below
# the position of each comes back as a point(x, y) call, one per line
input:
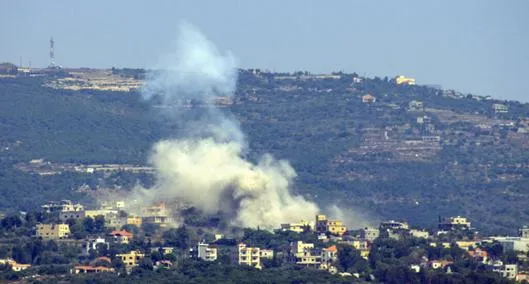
point(52, 53)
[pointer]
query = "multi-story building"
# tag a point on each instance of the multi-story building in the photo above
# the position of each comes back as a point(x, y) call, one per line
point(506, 270)
point(329, 255)
point(157, 214)
point(61, 206)
point(334, 227)
point(67, 215)
point(134, 220)
point(52, 231)
point(131, 259)
point(500, 108)
point(513, 243)
point(206, 252)
point(454, 223)
point(252, 256)
point(304, 254)
point(114, 205)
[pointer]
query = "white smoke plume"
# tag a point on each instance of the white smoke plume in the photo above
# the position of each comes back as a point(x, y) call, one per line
point(205, 167)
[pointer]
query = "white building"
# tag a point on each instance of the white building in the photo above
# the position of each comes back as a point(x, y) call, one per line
point(507, 270)
point(206, 252)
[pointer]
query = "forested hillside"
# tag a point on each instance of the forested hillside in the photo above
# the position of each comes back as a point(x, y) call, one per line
point(415, 152)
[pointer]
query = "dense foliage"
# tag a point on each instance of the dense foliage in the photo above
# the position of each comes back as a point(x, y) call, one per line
point(479, 173)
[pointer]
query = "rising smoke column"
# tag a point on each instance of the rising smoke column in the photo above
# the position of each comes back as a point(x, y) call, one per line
point(205, 165)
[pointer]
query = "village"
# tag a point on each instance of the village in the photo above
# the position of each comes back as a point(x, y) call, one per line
point(112, 245)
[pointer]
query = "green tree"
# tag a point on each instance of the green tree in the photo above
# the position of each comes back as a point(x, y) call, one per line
point(88, 224)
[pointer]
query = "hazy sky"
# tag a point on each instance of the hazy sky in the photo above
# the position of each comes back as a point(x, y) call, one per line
point(476, 46)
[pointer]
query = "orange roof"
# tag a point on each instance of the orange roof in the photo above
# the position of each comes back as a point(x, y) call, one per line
point(332, 248)
point(121, 233)
point(105, 258)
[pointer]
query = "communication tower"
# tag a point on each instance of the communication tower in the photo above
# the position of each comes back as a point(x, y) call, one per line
point(52, 54)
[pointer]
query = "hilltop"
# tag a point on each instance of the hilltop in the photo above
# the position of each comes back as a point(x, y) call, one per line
point(391, 149)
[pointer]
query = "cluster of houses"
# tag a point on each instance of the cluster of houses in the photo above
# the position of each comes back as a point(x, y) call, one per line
point(67, 210)
point(329, 232)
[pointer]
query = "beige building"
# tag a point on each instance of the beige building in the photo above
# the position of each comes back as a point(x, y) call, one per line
point(421, 234)
point(157, 214)
point(131, 259)
point(298, 227)
point(52, 231)
point(252, 256)
point(369, 99)
point(134, 220)
point(334, 227)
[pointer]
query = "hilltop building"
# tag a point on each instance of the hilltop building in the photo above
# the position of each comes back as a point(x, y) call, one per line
point(62, 206)
point(299, 227)
point(403, 80)
point(324, 225)
point(500, 108)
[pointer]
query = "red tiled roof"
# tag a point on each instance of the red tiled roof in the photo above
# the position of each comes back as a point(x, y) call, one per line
point(121, 233)
point(332, 248)
point(105, 258)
